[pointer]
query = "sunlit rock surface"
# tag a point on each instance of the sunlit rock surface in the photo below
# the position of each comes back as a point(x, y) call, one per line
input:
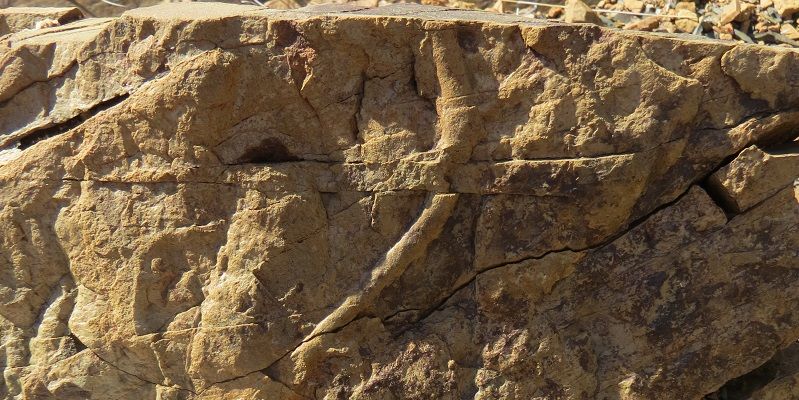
point(206, 201)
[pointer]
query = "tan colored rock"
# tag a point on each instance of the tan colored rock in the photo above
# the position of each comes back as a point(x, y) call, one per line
point(787, 8)
point(634, 5)
point(686, 20)
point(577, 11)
point(209, 201)
point(21, 18)
point(756, 175)
point(644, 24)
point(789, 31)
point(554, 12)
point(747, 10)
point(760, 74)
point(686, 5)
point(730, 12)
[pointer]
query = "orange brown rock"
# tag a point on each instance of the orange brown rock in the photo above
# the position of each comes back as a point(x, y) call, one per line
point(208, 201)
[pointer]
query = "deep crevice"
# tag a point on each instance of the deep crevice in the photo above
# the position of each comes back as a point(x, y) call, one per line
point(79, 346)
point(720, 197)
point(783, 363)
point(742, 387)
point(40, 134)
point(789, 147)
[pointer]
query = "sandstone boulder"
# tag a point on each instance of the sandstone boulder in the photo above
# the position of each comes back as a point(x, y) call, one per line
point(208, 201)
point(21, 18)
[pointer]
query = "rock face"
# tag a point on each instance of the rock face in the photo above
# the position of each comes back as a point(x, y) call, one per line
point(21, 18)
point(203, 201)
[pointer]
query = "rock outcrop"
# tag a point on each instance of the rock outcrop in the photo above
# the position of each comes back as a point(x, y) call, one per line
point(205, 201)
point(21, 18)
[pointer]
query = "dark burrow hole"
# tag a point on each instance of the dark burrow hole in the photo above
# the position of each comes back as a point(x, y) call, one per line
point(38, 135)
point(268, 150)
point(70, 17)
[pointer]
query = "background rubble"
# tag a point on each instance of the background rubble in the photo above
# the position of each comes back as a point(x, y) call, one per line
point(771, 22)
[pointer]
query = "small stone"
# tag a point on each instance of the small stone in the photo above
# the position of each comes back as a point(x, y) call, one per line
point(747, 10)
point(686, 25)
point(729, 13)
point(789, 31)
point(634, 5)
point(578, 12)
point(554, 12)
point(687, 21)
point(645, 24)
point(499, 7)
point(686, 5)
point(667, 26)
point(772, 15)
point(777, 38)
point(46, 23)
point(787, 8)
point(766, 3)
point(763, 26)
point(724, 32)
point(686, 14)
point(742, 36)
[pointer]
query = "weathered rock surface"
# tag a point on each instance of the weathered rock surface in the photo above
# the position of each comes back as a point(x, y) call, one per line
point(20, 18)
point(206, 201)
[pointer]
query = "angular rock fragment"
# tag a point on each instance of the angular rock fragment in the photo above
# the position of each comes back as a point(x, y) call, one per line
point(787, 8)
point(577, 11)
point(21, 18)
point(207, 201)
point(756, 175)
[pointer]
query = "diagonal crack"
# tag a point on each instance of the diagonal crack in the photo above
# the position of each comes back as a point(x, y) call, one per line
point(134, 375)
point(700, 182)
point(30, 138)
point(630, 227)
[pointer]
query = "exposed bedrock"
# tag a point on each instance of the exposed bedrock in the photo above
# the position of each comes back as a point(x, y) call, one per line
point(206, 201)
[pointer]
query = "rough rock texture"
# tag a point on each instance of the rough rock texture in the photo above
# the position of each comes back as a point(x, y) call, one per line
point(17, 19)
point(206, 201)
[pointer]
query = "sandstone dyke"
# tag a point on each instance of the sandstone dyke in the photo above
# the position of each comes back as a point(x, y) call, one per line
point(209, 201)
